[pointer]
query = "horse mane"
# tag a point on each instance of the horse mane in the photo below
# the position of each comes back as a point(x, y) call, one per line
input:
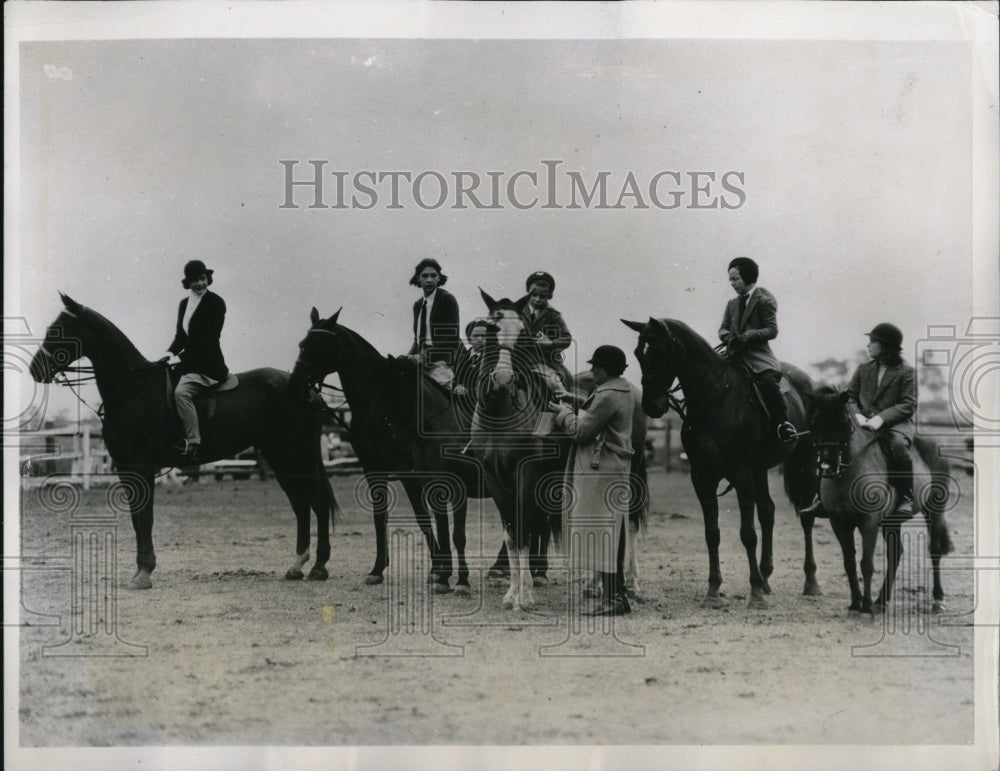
point(691, 340)
point(127, 349)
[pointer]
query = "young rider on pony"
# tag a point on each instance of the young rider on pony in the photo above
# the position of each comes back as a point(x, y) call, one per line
point(749, 321)
point(546, 327)
point(883, 392)
point(435, 322)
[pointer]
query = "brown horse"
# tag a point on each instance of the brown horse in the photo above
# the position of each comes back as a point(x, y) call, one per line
point(726, 437)
point(856, 491)
point(139, 429)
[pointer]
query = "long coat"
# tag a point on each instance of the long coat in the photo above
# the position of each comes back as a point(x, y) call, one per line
point(598, 472)
point(758, 325)
point(199, 348)
point(894, 399)
point(443, 324)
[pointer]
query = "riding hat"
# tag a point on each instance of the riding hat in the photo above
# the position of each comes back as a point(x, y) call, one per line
point(193, 270)
point(887, 334)
point(610, 357)
point(749, 270)
point(541, 277)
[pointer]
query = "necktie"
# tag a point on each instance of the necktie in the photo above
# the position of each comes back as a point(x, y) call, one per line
point(742, 308)
point(422, 325)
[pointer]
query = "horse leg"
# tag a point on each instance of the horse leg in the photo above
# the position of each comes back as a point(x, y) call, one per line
point(415, 492)
point(539, 551)
point(811, 588)
point(893, 554)
point(704, 487)
point(501, 566)
point(845, 535)
point(460, 510)
point(511, 599)
point(869, 537)
point(748, 536)
point(378, 489)
point(938, 604)
point(444, 563)
point(299, 500)
point(323, 504)
point(139, 488)
point(525, 593)
point(765, 515)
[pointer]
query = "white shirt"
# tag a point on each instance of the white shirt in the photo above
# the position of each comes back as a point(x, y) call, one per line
point(193, 301)
point(429, 302)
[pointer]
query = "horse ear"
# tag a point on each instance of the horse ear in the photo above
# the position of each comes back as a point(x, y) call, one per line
point(519, 305)
point(71, 305)
point(490, 302)
point(638, 326)
point(314, 316)
point(661, 325)
point(335, 316)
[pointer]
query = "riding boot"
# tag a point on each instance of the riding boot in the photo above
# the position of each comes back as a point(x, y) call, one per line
point(770, 391)
point(815, 509)
point(901, 472)
point(613, 603)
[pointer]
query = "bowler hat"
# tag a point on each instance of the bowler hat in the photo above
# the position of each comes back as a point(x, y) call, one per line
point(542, 277)
point(887, 334)
point(610, 357)
point(193, 270)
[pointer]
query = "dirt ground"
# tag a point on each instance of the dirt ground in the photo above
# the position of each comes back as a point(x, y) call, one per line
point(223, 651)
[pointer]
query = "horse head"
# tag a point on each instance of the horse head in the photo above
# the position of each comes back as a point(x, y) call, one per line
point(63, 343)
point(661, 357)
point(320, 353)
point(832, 431)
point(504, 331)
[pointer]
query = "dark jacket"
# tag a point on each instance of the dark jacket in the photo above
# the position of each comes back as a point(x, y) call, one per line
point(444, 326)
point(758, 325)
point(894, 399)
point(550, 323)
point(198, 348)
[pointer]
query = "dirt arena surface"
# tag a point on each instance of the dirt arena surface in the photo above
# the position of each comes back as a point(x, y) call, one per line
point(226, 652)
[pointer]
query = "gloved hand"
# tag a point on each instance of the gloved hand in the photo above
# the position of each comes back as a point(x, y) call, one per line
point(163, 359)
point(736, 342)
point(875, 423)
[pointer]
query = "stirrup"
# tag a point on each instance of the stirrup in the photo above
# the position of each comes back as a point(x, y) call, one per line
point(815, 508)
point(186, 450)
point(786, 431)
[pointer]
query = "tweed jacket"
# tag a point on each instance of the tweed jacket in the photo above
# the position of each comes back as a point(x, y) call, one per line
point(894, 399)
point(199, 348)
point(605, 417)
point(758, 325)
point(444, 327)
point(551, 324)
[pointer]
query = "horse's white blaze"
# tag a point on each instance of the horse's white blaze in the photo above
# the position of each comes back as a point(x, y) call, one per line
point(503, 372)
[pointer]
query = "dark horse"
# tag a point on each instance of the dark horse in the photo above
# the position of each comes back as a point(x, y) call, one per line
point(524, 470)
point(727, 437)
point(139, 428)
point(856, 492)
point(403, 425)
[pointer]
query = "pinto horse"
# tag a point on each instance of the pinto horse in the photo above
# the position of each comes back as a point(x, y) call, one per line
point(403, 425)
point(524, 471)
point(856, 493)
point(727, 437)
point(139, 428)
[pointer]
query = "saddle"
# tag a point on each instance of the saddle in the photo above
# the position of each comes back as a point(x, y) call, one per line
point(205, 402)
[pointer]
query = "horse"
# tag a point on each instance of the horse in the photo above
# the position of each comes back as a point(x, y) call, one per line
point(139, 428)
point(524, 469)
point(727, 437)
point(856, 493)
point(403, 425)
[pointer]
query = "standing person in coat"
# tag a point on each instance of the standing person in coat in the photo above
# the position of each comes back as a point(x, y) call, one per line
point(598, 469)
point(546, 327)
point(748, 323)
point(200, 317)
point(883, 392)
point(436, 341)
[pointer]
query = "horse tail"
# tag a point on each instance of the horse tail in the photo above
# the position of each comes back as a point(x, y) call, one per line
point(638, 480)
point(934, 501)
point(799, 473)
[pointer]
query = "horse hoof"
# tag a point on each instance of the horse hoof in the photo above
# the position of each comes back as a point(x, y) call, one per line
point(713, 601)
point(463, 590)
point(440, 588)
point(372, 579)
point(294, 574)
point(539, 581)
point(141, 580)
point(318, 574)
point(937, 607)
point(497, 574)
point(766, 588)
point(811, 589)
point(757, 603)
point(507, 604)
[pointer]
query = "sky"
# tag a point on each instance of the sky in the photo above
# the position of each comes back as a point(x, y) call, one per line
point(849, 167)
